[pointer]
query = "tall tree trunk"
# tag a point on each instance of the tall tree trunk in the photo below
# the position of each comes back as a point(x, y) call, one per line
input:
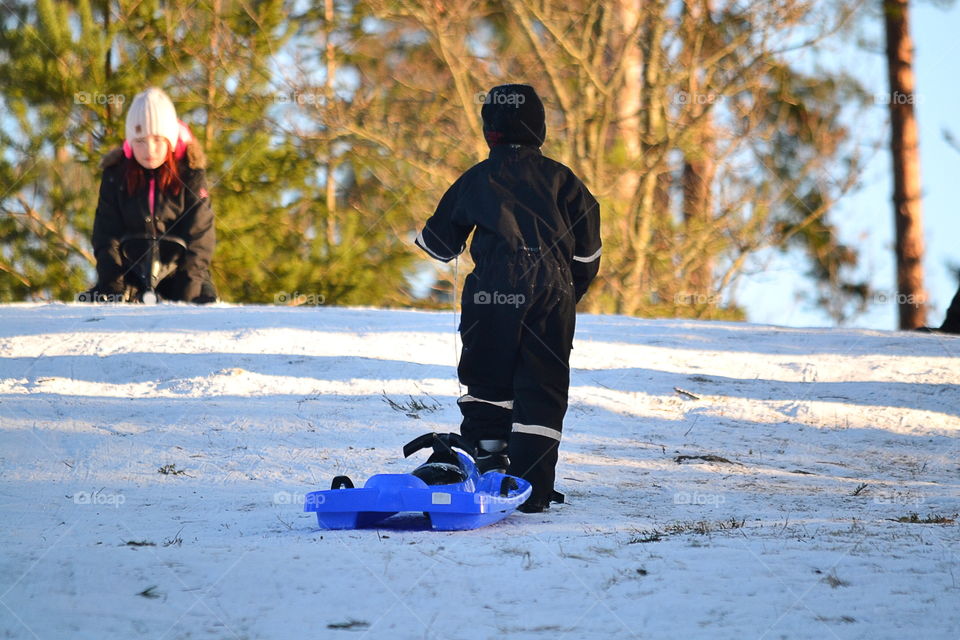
point(651, 191)
point(212, 65)
point(108, 60)
point(905, 148)
point(699, 167)
point(697, 181)
point(628, 100)
point(331, 185)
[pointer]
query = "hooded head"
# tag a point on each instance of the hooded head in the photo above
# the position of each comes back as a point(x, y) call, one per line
point(513, 114)
point(152, 115)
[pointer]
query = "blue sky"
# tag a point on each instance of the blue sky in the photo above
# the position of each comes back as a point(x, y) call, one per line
point(865, 218)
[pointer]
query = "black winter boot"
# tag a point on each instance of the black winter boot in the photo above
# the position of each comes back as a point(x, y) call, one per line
point(492, 456)
point(539, 504)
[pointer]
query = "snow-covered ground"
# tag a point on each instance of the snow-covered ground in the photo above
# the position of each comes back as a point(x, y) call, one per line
point(822, 440)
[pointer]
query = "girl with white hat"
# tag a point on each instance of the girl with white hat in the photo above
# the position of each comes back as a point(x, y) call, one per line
point(154, 193)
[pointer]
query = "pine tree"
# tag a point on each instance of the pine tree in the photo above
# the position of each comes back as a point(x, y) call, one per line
point(45, 215)
point(306, 208)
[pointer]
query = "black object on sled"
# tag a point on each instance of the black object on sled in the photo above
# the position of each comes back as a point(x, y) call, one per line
point(150, 260)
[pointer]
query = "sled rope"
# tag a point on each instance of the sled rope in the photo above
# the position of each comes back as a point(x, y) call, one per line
point(456, 351)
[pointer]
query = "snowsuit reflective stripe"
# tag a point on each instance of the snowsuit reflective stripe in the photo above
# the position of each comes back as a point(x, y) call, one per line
point(536, 248)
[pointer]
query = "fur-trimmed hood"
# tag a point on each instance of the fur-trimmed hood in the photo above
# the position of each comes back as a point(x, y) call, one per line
point(192, 154)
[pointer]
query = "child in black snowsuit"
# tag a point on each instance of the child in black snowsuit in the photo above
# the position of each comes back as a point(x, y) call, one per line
point(536, 249)
point(951, 323)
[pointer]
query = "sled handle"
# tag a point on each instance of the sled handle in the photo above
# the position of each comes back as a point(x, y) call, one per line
point(440, 443)
point(341, 482)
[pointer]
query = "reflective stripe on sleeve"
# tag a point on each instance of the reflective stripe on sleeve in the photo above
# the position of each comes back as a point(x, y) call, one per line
point(590, 258)
point(420, 242)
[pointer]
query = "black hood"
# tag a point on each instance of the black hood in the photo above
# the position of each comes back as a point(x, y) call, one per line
point(513, 114)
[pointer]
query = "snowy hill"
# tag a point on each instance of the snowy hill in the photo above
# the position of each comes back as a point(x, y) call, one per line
point(722, 481)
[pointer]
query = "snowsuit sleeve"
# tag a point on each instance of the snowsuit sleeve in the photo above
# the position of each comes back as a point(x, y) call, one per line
point(584, 215)
point(107, 231)
point(443, 238)
point(196, 228)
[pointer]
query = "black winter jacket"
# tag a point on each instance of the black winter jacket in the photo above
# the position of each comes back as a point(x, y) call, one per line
point(187, 216)
point(519, 200)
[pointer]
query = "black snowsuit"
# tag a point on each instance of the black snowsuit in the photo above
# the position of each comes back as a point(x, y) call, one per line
point(952, 322)
point(536, 248)
point(186, 215)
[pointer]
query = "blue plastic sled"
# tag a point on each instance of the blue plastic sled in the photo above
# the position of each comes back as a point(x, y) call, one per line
point(448, 489)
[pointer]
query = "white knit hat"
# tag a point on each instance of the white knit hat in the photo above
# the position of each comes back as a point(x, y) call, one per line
point(153, 114)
